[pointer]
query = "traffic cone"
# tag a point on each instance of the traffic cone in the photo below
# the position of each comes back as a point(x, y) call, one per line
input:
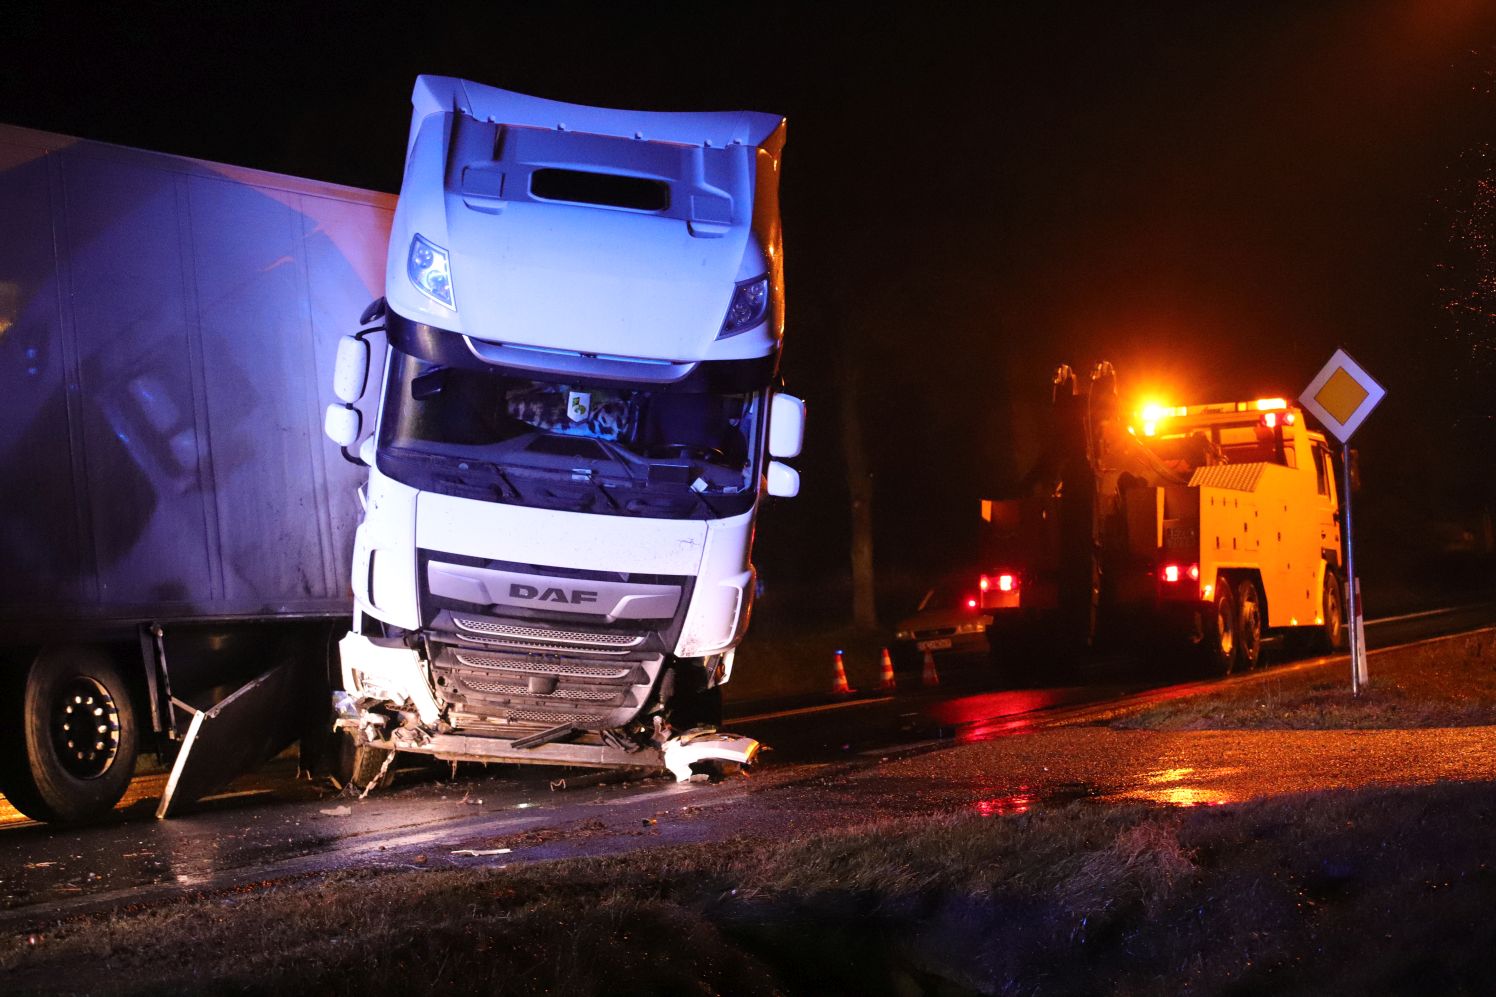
point(930, 676)
point(839, 686)
point(886, 681)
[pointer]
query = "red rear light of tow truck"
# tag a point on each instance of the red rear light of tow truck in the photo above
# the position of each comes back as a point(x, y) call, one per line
point(1173, 573)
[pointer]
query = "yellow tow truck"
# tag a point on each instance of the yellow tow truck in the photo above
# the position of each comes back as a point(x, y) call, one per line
point(1211, 527)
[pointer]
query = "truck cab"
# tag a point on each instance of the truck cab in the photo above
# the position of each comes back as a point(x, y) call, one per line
point(577, 420)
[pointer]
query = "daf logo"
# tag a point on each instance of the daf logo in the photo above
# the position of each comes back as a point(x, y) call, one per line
point(575, 597)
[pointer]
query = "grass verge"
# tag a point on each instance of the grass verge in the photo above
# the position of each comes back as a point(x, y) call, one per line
point(790, 663)
point(1384, 891)
point(1445, 683)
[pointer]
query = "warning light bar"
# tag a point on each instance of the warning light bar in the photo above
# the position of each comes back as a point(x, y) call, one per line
point(1150, 415)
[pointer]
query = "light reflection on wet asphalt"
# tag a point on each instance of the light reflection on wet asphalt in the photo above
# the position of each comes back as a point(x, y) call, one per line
point(828, 769)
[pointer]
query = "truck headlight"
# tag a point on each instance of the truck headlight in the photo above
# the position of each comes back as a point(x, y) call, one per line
point(430, 272)
point(749, 305)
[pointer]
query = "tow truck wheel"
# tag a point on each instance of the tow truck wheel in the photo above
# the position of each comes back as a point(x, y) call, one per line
point(1248, 625)
point(1218, 637)
point(1332, 633)
point(73, 736)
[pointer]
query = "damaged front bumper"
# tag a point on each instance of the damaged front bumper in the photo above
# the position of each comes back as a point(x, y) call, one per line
point(389, 702)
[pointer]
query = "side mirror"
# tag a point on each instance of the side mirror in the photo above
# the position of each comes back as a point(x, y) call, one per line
point(786, 426)
point(342, 425)
point(784, 481)
point(350, 372)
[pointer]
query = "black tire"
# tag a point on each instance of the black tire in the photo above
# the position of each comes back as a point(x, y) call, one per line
point(320, 746)
point(1017, 655)
point(1332, 632)
point(49, 771)
point(1216, 635)
point(1248, 625)
point(1003, 654)
point(359, 762)
point(696, 708)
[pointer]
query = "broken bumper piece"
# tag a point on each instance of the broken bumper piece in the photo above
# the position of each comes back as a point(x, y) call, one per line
point(680, 753)
point(386, 672)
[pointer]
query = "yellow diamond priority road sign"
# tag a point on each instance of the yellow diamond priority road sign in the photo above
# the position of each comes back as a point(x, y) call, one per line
point(1342, 395)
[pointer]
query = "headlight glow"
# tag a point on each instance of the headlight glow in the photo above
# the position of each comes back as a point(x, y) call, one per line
point(430, 272)
point(749, 305)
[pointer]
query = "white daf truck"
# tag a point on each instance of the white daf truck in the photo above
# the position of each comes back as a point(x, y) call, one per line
point(567, 404)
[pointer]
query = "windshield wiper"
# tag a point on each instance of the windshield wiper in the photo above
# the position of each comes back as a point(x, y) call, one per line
point(716, 513)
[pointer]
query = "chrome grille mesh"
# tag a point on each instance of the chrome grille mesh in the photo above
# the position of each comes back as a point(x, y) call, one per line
point(493, 628)
point(553, 719)
point(576, 695)
point(477, 659)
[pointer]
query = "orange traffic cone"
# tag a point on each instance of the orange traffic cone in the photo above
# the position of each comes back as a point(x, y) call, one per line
point(886, 681)
point(930, 676)
point(839, 686)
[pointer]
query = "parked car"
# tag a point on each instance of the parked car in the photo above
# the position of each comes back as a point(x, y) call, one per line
point(948, 623)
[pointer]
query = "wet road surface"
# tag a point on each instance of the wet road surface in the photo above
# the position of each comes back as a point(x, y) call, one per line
point(912, 752)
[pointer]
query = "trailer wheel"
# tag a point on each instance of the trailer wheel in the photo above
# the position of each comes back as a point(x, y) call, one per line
point(1248, 625)
point(1332, 633)
point(73, 737)
point(1218, 632)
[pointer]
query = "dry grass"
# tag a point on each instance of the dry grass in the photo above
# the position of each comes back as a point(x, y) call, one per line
point(1376, 891)
point(1447, 683)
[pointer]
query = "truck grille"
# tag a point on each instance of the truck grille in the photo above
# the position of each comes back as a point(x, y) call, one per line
point(478, 659)
point(545, 719)
point(524, 690)
point(546, 635)
point(576, 695)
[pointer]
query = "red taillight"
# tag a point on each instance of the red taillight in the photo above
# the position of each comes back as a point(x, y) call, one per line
point(983, 583)
point(1006, 583)
point(1173, 573)
point(971, 604)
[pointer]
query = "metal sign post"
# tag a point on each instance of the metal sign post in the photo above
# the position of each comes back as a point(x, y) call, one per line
point(1341, 396)
point(1359, 677)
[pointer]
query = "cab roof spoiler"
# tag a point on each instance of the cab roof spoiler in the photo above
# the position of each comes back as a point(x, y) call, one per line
point(440, 94)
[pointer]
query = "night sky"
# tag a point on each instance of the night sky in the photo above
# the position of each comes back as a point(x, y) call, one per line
point(1212, 196)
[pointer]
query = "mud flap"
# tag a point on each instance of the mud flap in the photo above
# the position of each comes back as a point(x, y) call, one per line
point(238, 733)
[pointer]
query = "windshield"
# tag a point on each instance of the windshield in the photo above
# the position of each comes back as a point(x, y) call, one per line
point(1225, 443)
point(560, 444)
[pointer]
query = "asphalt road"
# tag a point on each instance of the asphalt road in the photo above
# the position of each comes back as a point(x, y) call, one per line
point(826, 764)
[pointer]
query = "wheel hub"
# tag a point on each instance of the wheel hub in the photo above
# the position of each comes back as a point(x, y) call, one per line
point(85, 728)
point(1224, 632)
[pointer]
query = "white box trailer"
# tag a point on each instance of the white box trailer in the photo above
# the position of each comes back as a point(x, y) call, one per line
point(175, 530)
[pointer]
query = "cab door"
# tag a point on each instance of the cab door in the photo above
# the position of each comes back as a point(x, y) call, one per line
point(1327, 506)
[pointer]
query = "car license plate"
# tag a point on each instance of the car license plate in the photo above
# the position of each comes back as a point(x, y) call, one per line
point(934, 645)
